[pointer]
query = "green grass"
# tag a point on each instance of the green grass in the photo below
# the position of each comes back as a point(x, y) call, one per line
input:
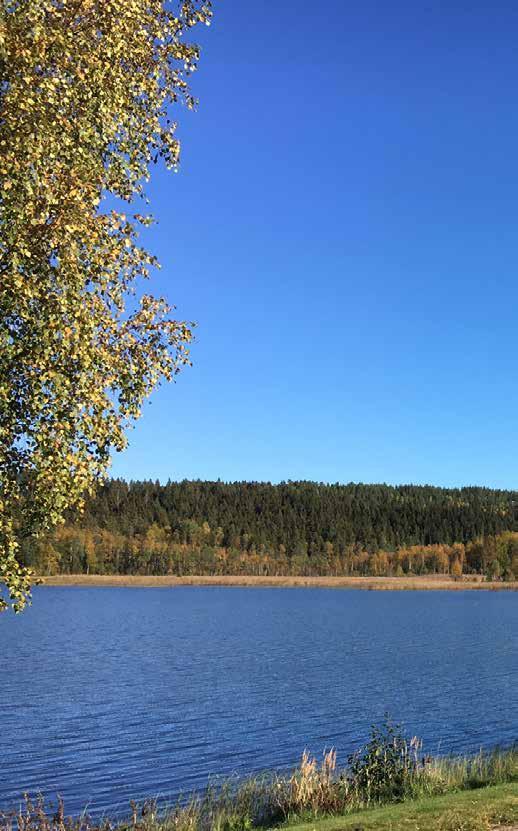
point(473, 810)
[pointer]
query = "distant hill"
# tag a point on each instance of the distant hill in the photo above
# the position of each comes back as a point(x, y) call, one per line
point(292, 527)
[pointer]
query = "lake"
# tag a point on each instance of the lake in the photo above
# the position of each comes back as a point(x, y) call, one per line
point(109, 694)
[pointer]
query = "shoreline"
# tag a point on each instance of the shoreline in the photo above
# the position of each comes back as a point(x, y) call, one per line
point(321, 796)
point(415, 583)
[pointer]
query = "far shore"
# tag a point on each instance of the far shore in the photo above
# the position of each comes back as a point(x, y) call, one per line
point(407, 583)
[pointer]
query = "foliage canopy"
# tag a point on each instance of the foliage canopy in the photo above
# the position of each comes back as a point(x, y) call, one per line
point(293, 528)
point(86, 89)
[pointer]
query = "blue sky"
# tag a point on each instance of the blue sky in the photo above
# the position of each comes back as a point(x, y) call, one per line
point(344, 229)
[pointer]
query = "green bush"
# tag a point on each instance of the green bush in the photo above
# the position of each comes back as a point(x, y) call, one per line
point(386, 769)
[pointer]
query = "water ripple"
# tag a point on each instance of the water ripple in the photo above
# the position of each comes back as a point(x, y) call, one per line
point(113, 694)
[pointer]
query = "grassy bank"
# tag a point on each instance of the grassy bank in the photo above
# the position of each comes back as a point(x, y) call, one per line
point(415, 583)
point(473, 810)
point(388, 783)
point(491, 808)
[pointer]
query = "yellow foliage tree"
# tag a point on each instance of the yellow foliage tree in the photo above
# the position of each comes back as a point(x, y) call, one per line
point(456, 568)
point(86, 88)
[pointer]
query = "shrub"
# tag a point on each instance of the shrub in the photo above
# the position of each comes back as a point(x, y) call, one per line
point(386, 769)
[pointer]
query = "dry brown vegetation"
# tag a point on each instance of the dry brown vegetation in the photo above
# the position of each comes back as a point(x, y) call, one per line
point(414, 583)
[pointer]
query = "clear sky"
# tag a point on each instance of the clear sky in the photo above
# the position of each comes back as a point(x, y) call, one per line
point(344, 229)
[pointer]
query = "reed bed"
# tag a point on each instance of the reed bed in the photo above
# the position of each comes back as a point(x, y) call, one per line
point(432, 582)
point(389, 768)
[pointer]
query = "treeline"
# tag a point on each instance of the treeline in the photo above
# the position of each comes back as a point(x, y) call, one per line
point(295, 528)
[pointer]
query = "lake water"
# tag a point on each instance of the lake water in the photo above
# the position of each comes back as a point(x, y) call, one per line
point(109, 694)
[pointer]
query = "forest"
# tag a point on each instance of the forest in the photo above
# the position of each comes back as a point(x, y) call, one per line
point(291, 528)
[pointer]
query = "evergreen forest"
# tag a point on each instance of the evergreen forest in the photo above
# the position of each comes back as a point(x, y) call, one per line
point(291, 528)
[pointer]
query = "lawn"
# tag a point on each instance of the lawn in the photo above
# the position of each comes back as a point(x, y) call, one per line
point(474, 810)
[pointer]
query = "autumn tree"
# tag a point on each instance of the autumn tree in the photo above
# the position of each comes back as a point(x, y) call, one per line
point(86, 89)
